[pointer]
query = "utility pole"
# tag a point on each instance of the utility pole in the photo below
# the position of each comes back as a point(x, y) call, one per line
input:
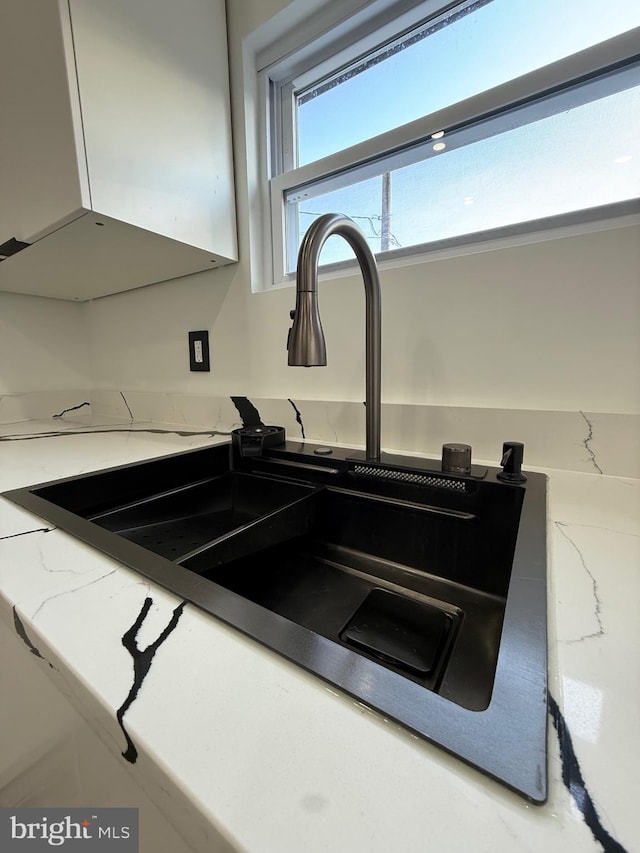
point(385, 230)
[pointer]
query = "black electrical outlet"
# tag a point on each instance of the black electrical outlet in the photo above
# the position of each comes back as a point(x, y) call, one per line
point(199, 350)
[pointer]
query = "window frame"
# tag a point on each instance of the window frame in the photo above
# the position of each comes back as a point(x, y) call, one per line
point(332, 46)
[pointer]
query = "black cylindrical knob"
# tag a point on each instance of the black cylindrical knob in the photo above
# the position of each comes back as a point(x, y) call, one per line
point(512, 457)
point(456, 458)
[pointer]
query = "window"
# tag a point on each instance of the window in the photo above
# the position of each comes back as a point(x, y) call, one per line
point(449, 123)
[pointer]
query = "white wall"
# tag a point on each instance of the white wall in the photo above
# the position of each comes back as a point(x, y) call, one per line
point(43, 345)
point(551, 325)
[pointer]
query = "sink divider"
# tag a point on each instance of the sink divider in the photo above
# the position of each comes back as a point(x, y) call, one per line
point(288, 521)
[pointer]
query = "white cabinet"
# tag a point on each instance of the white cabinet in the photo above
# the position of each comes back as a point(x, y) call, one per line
point(115, 144)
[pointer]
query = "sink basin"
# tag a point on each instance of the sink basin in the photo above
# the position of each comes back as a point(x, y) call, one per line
point(226, 516)
point(419, 592)
point(375, 552)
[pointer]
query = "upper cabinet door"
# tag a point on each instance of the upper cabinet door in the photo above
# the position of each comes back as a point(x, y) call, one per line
point(115, 150)
point(43, 180)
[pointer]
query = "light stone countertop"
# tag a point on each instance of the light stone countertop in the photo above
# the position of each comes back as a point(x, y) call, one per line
point(259, 755)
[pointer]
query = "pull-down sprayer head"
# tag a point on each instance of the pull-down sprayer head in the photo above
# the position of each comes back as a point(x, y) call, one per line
point(306, 339)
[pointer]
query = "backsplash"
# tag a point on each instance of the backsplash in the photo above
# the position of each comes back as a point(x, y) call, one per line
point(41, 405)
point(591, 442)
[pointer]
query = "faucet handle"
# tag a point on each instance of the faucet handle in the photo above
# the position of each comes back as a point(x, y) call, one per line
point(292, 315)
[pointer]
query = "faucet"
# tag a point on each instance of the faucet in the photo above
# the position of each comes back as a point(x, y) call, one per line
point(306, 343)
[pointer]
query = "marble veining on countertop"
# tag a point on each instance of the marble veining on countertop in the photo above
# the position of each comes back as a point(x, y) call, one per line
point(274, 758)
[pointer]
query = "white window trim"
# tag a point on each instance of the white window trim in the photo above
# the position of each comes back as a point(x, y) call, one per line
point(576, 67)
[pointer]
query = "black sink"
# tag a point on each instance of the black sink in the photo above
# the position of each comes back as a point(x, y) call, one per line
point(421, 593)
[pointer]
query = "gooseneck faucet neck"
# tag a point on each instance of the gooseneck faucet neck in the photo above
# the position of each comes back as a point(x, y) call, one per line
point(306, 338)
